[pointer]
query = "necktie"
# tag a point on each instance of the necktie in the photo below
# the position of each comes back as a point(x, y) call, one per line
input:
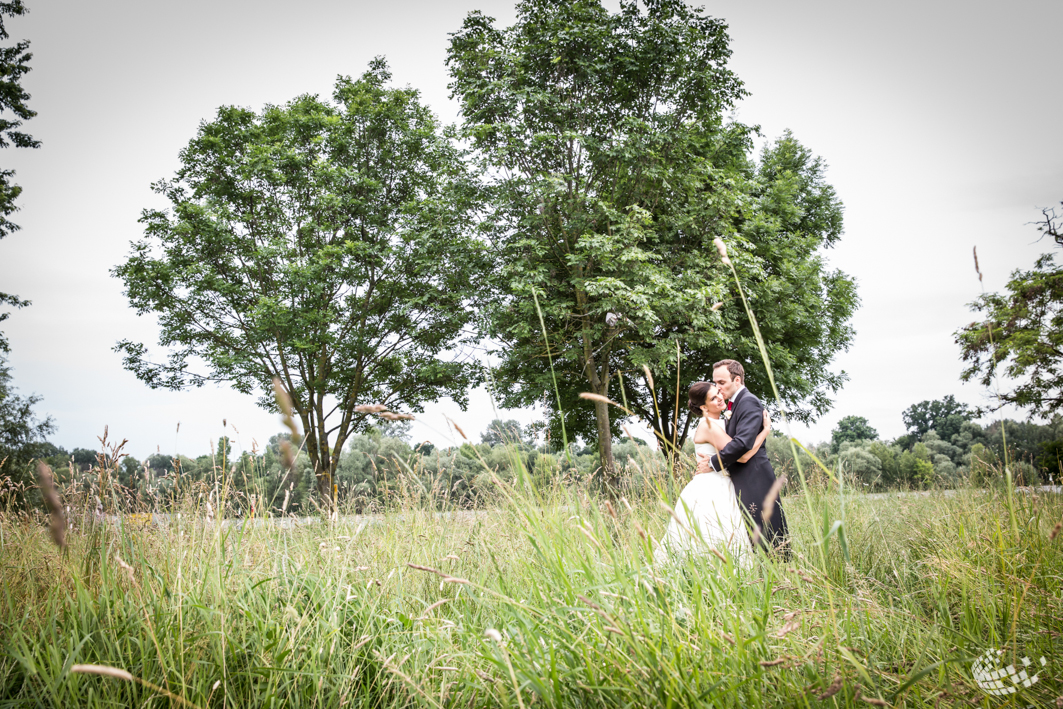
point(730, 405)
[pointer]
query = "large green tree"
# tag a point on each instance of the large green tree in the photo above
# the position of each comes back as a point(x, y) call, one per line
point(615, 168)
point(786, 216)
point(1019, 335)
point(14, 64)
point(21, 432)
point(946, 416)
point(850, 430)
point(325, 243)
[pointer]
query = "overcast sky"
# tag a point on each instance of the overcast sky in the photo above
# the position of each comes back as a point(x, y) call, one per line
point(940, 123)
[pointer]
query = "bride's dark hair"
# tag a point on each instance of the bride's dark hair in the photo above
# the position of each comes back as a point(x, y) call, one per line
point(699, 395)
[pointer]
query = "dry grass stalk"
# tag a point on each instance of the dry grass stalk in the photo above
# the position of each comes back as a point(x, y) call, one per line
point(870, 700)
point(103, 670)
point(447, 578)
point(788, 628)
point(429, 569)
point(57, 522)
point(769, 500)
point(114, 672)
point(370, 408)
point(457, 427)
point(604, 400)
point(976, 268)
point(722, 248)
point(392, 416)
point(1055, 531)
point(772, 663)
point(595, 542)
point(678, 521)
point(589, 602)
point(716, 306)
point(834, 688)
point(284, 401)
point(125, 567)
point(649, 375)
point(429, 609)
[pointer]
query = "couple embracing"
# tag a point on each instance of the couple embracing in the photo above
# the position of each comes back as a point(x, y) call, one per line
point(723, 505)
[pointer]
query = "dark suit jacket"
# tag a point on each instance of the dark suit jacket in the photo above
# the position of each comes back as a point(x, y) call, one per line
point(754, 478)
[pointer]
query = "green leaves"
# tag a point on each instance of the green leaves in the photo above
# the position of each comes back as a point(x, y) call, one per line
point(329, 244)
point(614, 169)
point(1022, 333)
point(591, 121)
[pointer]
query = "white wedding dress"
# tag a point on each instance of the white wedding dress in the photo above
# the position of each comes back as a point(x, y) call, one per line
point(708, 508)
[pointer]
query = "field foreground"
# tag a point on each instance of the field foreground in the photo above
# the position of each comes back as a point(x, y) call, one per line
point(541, 603)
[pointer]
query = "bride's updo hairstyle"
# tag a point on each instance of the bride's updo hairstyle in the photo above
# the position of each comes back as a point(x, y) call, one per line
point(699, 395)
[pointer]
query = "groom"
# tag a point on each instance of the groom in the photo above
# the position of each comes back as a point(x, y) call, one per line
point(753, 479)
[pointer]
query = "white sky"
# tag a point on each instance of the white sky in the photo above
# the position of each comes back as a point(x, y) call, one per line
point(936, 119)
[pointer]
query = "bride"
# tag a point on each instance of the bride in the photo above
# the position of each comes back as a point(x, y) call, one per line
point(708, 506)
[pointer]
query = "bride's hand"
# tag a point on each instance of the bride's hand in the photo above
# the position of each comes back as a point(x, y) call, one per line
point(767, 421)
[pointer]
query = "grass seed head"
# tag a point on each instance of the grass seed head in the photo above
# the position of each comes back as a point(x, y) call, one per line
point(722, 248)
point(284, 401)
point(602, 400)
point(57, 521)
point(392, 416)
point(772, 496)
point(834, 688)
point(103, 670)
point(370, 408)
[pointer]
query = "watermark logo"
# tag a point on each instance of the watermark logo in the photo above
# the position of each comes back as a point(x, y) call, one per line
point(1000, 681)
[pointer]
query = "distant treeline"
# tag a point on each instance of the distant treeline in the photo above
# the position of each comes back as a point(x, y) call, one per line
point(944, 448)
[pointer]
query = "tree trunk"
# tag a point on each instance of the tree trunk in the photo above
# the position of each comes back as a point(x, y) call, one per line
point(605, 447)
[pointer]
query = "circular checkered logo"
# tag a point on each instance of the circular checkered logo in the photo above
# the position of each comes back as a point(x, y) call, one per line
point(1000, 681)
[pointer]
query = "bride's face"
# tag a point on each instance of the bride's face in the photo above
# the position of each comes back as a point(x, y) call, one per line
point(713, 402)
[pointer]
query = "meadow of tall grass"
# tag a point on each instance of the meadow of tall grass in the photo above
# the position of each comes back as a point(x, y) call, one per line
point(548, 597)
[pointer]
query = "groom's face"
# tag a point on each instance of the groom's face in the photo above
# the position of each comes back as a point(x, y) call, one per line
point(724, 383)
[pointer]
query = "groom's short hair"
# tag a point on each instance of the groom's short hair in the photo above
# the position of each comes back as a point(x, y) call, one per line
point(734, 368)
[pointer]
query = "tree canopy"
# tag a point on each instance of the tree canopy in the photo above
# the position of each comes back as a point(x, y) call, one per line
point(328, 244)
point(21, 431)
point(946, 416)
point(14, 64)
point(507, 432)
point(615, 168)
point(849, 430)
point(1020, 336)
